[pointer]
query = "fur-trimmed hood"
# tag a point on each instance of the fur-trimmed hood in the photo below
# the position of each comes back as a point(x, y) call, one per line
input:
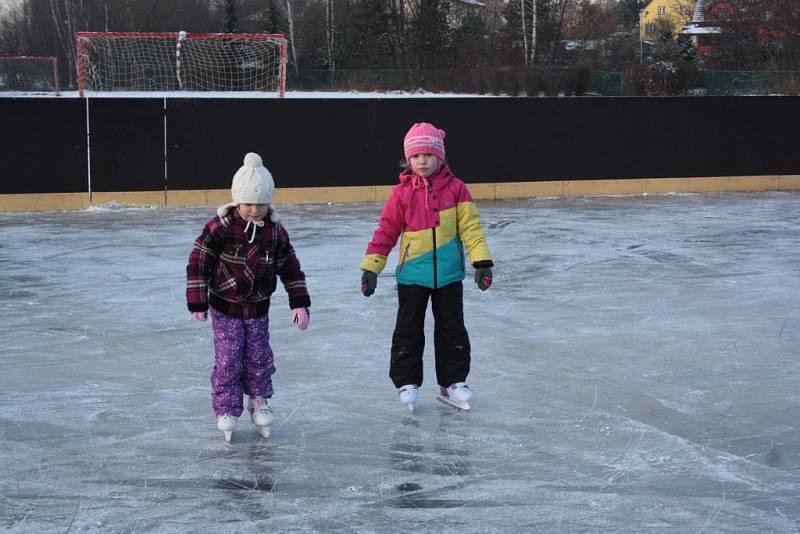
point(222, 211)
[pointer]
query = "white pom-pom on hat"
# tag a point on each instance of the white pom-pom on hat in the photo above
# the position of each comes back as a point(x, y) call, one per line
point(251, 159)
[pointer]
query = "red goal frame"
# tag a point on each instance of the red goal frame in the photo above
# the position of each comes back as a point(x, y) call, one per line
point(45, 59)
point(278, 37)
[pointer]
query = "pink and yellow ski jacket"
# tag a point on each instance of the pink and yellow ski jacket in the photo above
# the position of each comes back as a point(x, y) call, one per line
point(438, 220)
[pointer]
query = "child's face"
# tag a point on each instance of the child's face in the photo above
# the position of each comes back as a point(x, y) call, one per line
point(253, 212)
point(424, 164)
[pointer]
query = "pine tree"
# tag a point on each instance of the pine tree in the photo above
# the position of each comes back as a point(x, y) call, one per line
point(229, 21)
point(469, 42)
point(272, 19)
point(368, 42)
point(510, 35)
point(429, 36)
point(628, 13)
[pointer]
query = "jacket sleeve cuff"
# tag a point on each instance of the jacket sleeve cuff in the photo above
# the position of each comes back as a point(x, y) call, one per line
point(197, 307)
point(483, 264)
point(300, 302)
point(373, 263)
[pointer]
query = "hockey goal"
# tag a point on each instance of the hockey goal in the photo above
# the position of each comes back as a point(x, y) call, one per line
point(29, 74)
point(181, 62)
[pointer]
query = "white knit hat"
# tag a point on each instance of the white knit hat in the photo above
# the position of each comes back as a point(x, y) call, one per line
point(252, 184)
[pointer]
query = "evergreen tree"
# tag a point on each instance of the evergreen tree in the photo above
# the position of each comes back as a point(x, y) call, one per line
point(367, 42)
point(272, 18)
point(628, 13)
point(469, 42)
point(429, 35)
point(229, 20)
point(510, 35)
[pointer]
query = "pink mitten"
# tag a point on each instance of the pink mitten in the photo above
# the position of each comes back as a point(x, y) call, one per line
point(300, 318)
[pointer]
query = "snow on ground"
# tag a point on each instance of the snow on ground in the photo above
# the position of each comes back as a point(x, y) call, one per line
point(635, 364)
point(245, 94)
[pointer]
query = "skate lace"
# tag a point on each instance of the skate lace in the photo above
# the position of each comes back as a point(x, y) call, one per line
point(261, 407)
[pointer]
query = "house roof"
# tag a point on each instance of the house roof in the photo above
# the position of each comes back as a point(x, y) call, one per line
point(694, 29)
point(699, 16)
point(700, 24)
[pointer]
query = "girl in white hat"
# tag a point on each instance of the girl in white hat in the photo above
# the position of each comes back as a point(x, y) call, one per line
point(232, 272)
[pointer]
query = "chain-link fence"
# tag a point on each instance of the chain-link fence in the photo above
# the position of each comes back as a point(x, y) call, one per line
point(552, 81)
point(514, 81)
point(728, 82)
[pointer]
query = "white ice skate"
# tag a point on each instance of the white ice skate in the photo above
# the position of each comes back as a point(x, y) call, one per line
point(226, 423)
point(261, 414)
point(457, 395)
point(409, 395)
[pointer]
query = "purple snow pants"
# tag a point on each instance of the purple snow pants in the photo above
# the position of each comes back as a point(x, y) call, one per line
point(243, 363)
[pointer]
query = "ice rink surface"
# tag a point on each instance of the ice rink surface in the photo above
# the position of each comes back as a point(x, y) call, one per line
point(636, 368)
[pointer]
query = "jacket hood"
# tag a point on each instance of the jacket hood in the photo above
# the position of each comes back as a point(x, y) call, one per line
point(224, 210)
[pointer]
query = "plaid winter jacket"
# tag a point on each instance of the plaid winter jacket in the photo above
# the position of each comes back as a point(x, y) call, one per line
point(236, 277)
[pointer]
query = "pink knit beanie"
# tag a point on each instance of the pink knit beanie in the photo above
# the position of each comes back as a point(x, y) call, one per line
point(424, 138)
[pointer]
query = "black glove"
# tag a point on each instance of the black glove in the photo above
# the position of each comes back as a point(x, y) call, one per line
point(483, 277)
point(368, 282)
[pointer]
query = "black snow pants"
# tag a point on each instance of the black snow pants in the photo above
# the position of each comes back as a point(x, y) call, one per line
point(450, 339)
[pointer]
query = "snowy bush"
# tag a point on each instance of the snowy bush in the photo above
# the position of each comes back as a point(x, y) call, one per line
point(662, 78)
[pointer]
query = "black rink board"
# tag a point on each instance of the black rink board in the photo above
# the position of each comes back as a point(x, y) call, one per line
point(303, 142)
point(127, 143)
point(537, 139)
point(42, 146)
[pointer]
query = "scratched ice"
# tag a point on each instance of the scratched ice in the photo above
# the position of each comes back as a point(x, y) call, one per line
point(636, 368)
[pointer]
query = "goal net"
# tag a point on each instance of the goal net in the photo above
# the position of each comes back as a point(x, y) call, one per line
point(29, 74)
point(185, 62)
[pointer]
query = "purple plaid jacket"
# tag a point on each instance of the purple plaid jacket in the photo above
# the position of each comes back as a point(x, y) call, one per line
point(236, 277)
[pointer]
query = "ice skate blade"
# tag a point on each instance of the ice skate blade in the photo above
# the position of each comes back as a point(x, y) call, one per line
point(228, 435)
point(464, 406)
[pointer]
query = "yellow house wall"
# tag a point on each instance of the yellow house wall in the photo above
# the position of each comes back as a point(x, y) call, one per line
point(673, 16)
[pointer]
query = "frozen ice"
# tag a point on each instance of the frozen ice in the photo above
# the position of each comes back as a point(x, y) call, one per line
point(635, 365)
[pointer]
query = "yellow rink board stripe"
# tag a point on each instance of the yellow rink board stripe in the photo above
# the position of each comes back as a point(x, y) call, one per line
point(495, 191)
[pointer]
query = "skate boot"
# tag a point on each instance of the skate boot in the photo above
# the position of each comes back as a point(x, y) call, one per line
point(226, 423)
point(260, 414)
point(458, 395)
point(409, 395)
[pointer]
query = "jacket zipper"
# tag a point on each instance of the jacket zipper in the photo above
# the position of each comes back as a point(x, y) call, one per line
point(405, 255)
point(433, 231)
point(435, 281)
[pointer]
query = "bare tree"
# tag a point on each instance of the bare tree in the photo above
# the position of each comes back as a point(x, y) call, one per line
point(493, 18)
point(330, 32)
point(528, 9)
point(290, 21)
point(757, 34)
point(588, 21)
point(65, 21)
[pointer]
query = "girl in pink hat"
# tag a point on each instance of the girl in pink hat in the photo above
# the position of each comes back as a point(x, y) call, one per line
point(433, 215)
